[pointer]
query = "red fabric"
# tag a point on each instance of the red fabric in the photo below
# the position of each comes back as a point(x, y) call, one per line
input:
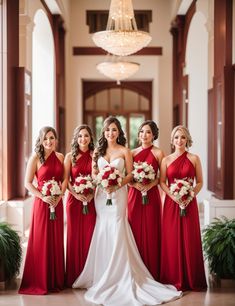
point(145, 220)
point(182, 261)
point(79, 226)
point(44, 264)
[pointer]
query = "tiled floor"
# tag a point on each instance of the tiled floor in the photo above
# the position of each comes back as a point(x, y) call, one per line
point(72, 297)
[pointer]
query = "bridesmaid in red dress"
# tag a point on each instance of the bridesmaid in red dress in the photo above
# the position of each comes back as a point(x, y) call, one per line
point(145, 220)
point(79, 226)
point(181, 260)
point(44, 264)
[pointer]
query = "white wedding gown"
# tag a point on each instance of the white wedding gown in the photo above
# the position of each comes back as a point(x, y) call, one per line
point(114, 273)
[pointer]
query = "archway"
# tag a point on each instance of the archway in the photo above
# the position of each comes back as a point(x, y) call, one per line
point(197, 70)
point(43, 75)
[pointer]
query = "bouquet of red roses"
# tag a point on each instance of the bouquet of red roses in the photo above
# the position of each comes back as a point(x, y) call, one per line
point(53, 189)
point(107, 177)
point(143, 173)
point(182, 189)
point(84, 184)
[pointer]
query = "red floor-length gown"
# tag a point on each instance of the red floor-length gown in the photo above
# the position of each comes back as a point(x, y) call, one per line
point(44, 265)
point(181, 258)
point(79, 226)
point(145, 220)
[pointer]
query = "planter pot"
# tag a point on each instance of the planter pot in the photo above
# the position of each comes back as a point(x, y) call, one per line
point(216, 282)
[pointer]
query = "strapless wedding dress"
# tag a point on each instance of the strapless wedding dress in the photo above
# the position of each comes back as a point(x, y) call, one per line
point(114, 273)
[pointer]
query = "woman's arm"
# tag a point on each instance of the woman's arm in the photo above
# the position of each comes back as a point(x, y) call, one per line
point(199, 177)
point(129, 167)
point(29, 176)
point(163, 179)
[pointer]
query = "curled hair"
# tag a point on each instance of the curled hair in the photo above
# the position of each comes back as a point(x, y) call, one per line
point(74, 142)
point(39, 149)
point(153, 126)
point(102, 141)
point(185, 131)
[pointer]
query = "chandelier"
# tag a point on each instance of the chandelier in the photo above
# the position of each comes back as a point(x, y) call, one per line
point(121, 37)
point(118, 70)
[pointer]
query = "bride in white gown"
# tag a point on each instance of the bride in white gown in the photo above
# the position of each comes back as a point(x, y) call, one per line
point(114, 273)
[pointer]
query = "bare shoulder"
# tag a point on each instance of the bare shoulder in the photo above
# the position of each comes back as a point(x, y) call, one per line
point(34, 158)
point(167, 160)
point(60, 156)
point(68, 156)
point(135, 151)
point(125, 150)
point(157, 152)
point(193, 157)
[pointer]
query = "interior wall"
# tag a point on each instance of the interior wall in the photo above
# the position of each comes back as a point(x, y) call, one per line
point(155, 68)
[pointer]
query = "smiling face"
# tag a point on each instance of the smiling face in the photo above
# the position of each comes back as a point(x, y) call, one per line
point(111, 133)
point(180, 140)
point(49, 141)
point(84, 139)
point(146, 135)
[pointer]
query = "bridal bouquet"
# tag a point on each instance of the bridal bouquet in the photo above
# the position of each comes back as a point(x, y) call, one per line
point(182, 189)
point(83, 184)
point(53, 189)
point(143, 173)
point(107, 177)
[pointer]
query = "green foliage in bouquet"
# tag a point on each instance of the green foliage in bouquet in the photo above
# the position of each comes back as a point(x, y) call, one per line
point(10, 251)
point(219, 247)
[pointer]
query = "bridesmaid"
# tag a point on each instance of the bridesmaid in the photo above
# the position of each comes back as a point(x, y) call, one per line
point(44, 264)
point(145, 220)
point(79, 226)
point(182, 260)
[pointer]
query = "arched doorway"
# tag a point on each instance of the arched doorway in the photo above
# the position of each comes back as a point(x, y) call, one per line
point(196, 106)
point(43, 75)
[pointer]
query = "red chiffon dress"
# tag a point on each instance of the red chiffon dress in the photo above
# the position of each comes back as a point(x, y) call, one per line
point(181, 257)
point(44, 265)
point(145, 220)
point(79, 226)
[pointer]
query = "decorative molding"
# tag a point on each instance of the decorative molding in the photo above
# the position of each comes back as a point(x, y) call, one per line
point(98, 51)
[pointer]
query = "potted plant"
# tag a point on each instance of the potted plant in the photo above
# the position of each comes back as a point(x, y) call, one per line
point(219, 247)
point(10, 252)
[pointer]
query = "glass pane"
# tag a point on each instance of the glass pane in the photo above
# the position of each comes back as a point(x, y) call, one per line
point(98, 126)
point(144, 103)
point(131, 99)
point(89, 103)
point(101, 100)
point(115, 99)
point(135, 122)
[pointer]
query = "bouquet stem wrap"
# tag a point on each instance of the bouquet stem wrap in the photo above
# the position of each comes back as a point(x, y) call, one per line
point(145, 199)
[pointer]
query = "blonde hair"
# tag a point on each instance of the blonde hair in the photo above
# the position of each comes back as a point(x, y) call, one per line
point(185, 131)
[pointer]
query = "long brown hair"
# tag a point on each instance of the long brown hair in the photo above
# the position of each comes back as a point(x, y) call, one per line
point(39, 149)
point(102, 141)
point(74, 142)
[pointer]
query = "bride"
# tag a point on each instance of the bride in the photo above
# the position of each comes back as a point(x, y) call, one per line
point(114, 273)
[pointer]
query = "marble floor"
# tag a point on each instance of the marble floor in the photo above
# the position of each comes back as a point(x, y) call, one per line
point(72, 297)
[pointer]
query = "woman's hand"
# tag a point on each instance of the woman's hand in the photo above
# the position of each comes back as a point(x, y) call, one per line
point(80, 197)
point(137, 186)
point(147, 187)
point(48, 199)
point(111, 189)
point(89, 197)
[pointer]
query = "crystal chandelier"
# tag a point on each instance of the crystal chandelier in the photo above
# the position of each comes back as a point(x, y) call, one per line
point(118, 70)
point(121, 36)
